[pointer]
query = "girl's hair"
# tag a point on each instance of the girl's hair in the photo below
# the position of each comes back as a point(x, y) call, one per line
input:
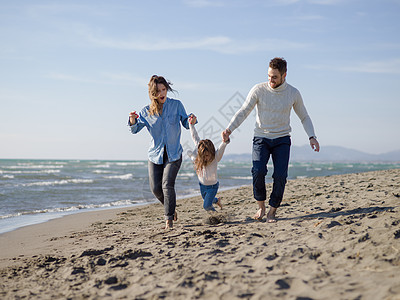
point(204, 146)
point(155, 106)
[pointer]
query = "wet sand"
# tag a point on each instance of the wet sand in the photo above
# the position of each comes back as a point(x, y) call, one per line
point(337, 237)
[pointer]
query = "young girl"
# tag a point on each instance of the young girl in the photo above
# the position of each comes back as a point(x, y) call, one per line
point(206, 160)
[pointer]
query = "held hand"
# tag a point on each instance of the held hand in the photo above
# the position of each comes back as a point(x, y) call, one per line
point(225, 135)
point(192, 119)
point(132, 117)
point(314, 144)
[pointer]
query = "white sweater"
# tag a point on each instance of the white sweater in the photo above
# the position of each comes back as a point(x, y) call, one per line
point(273, 111)
point(207, 176)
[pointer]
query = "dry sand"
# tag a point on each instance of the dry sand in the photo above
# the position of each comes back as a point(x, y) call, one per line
point(337, 237)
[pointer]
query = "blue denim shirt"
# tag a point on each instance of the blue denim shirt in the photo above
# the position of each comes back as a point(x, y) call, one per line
point(165, 130)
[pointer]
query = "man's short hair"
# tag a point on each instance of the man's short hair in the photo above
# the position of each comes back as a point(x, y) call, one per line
point(278, 63)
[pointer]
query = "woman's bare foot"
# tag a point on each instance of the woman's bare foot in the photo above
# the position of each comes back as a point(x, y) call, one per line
point(219, 203)
point(169, 224)
point(271, 218)
point(260, 214)
point(261, 211)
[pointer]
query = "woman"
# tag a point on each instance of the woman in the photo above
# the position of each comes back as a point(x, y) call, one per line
point(161, 118)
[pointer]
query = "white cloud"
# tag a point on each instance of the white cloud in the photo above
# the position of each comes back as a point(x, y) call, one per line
point(286, 2)
point(41, 11)
point(66, 77)
point(376, 67)
point(124, 79)
point(318, 2)
point(203, 3)
point(160, 45)
point(221, 44)
point(327, 2)
point(309, 17)
point(246, 46)
point(103, 78)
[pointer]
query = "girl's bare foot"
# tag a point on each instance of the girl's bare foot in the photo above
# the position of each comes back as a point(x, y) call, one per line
point(271, 218)
point(219, 203)
point(169, 224)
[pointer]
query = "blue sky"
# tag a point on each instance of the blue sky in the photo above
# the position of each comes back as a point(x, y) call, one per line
point(71, 71)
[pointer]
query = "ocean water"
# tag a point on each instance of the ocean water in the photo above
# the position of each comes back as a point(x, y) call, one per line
point(34, 191)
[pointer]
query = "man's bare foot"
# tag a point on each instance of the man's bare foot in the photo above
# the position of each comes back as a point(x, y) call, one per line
point(260, 214)
point(175, 216)
point(271, 218)
point(219, 203)
point(169, 224)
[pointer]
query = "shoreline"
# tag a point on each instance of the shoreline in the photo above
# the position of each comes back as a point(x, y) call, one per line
point(39, 218)
point(337, 237)
point(27, 220)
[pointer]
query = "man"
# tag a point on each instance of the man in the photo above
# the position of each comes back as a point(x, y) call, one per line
point(273, 100)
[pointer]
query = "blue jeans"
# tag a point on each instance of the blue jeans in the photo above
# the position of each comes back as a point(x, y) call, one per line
point(208, 192)
point(162, 184)
point(279, 150)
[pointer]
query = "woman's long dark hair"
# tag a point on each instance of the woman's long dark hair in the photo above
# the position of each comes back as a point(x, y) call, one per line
point(155, 106)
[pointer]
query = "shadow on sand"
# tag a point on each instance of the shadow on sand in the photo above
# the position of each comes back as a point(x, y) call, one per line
point(334, 214)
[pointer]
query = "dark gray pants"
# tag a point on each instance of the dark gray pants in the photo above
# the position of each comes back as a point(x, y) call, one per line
point(162, 184)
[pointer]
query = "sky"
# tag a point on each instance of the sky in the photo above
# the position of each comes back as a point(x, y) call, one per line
point(71, 71)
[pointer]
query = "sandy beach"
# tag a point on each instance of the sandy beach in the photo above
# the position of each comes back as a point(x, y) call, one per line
point(337, 237)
